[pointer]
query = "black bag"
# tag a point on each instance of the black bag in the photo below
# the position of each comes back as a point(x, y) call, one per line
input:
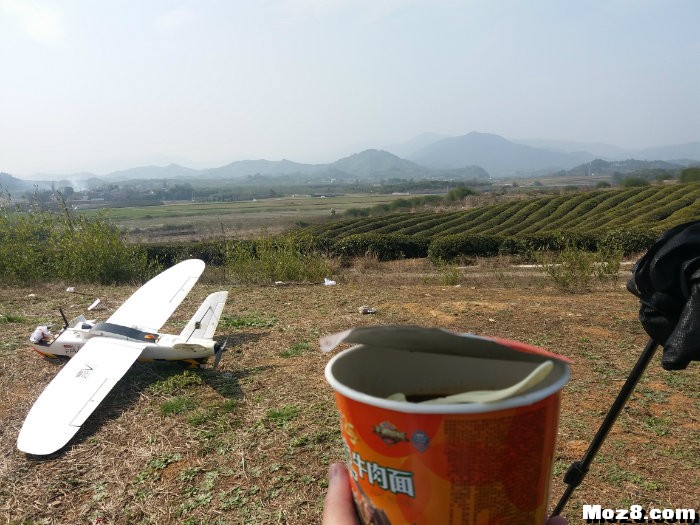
point(667, 281)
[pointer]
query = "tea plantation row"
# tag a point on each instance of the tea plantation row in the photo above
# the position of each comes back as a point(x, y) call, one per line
point(627, 220)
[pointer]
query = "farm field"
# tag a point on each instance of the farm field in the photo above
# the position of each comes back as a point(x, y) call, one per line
point(238, 219)
point(251, 441)
point(650, 207)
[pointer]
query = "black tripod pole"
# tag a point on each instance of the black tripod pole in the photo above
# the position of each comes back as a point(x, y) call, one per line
point(578, 470)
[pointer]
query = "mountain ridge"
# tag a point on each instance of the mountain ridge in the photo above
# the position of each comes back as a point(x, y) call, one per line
point(474, 154)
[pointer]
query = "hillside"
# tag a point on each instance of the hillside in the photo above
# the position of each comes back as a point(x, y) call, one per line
point(644, 208)
point(374, 163)
point(10, 183)
point(498, 156)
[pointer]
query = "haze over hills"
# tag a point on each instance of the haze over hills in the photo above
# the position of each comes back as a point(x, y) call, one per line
point(430, 155)
point(10, 183)
point(498, 156)
point(688, 151)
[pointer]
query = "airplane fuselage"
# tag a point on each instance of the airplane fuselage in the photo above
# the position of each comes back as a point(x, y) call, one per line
point(158, 346)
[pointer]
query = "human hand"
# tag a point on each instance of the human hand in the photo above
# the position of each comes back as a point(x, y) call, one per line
point(338, 506)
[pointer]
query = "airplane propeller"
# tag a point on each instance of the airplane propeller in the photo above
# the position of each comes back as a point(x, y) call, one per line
point(219, 349)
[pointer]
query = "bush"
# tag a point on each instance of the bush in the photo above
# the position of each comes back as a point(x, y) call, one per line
point(269, 259)
point(627, 242)
point(38, 245)
point(574, 269)
point(386, 247)
point(691, 174)
point(451, 247)
point(211, 252)
point(93, 250)
point(633, 182)
point(512, 246)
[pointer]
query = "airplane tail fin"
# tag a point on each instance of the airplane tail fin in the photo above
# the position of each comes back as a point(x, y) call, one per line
point(203, 324)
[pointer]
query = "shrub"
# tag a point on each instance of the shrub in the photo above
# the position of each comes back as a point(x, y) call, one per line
point(386, 247)
point(570, 269)
point(94, 250)
point(512, 246)
point(281, 258)
point(633, 182)
point(457, 194)
point(451, 247)
point(449, 273)
point(627, 242)
point(690, 174)
point(39, 244)
point(573, 269)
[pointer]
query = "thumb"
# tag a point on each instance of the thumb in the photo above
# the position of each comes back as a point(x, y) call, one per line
point(338, 507)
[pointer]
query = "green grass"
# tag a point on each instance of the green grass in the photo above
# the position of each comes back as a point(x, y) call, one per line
point(281, 417)
point(295, 350)
point(12, 318)
point(176, 384)
point(177, 405)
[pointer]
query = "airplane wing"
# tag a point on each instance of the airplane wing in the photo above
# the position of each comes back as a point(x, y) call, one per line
point(204, 322)
point(153, 304)
point(75, 392)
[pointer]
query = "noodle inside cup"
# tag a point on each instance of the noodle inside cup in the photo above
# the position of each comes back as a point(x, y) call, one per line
point(445, 463)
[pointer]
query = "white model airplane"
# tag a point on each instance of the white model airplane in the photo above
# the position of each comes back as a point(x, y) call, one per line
point(103, 352)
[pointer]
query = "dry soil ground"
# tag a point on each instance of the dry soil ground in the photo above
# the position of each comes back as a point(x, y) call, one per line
point(251, 441)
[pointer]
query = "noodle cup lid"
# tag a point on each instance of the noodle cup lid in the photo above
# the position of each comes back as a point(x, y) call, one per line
point(389, 359)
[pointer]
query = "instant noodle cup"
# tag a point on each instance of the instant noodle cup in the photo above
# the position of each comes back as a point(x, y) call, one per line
point(444, 463)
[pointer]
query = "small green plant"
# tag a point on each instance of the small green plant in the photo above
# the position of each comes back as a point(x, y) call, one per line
point(160, 462)
point(201, 495)
point(449, 273)
point(177, 405)
point(607, 264)
point(176, 384)
point(11, 318)
point(283, 416)
point(574, 269)
point(571, 269)
point(154, 467)
point(190, 474)
point(295, 350)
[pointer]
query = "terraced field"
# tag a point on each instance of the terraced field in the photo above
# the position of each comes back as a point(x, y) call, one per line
point(644, 208)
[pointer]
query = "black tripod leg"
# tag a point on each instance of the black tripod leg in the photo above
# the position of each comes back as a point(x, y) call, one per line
point(578, 470)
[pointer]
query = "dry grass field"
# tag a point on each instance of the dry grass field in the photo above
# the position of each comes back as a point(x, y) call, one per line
point(251, 441)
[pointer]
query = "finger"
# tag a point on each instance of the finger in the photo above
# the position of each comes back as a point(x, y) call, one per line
point(338, 506)
point(556, 520)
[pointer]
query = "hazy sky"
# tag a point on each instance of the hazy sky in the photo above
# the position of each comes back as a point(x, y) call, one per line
point(104, 85)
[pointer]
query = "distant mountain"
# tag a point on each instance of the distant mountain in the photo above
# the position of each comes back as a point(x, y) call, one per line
point(171, 171)
point(408, 148)
point(377, 164)
point(10, 183)
point(677, 152)
point(622, 167)
point(434, 156)
point(598, 149)
point(243, 168)
point(498, 156)
point(369, 164)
